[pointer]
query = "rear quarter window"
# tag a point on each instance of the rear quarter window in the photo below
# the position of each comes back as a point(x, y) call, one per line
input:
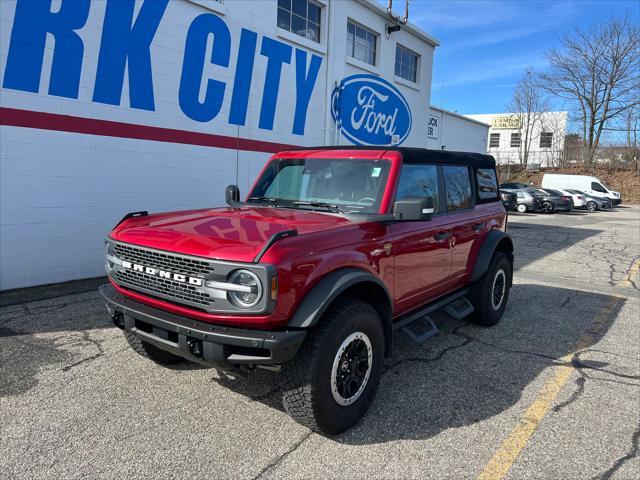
point(487, 185)
point(458, 191)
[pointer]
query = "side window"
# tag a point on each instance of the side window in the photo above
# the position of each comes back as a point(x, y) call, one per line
point(487, 184)
point(419, 181)
point(597, 187)
point(520, 195)
point(457, 188)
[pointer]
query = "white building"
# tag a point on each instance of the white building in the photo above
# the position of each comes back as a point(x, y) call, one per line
point(451, 131)
point(508, 132)
point(109, 107)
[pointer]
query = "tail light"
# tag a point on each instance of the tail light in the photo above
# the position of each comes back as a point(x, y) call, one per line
point(566, 199)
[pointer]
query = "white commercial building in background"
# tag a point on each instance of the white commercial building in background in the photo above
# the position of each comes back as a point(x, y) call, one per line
point(508, 131)
point(450, 131)
point(109, 107)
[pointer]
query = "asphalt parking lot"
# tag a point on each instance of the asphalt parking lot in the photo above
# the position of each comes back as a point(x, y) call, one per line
point(553, 391)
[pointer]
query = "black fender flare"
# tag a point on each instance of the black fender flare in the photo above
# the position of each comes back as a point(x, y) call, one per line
point(491, 242)
point(328, 289)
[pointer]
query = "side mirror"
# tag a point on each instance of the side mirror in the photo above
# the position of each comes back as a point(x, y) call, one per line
point(414, 209)
point(232, 195)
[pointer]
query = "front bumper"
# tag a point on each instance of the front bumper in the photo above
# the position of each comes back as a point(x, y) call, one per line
point(616, 201)
point(211, 345)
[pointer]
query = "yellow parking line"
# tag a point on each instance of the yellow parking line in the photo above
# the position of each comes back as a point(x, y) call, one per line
point(510, 450)
point(633, 271)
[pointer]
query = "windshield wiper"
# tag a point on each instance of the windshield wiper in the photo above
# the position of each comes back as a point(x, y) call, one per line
point(270, 200)
point(328, 206)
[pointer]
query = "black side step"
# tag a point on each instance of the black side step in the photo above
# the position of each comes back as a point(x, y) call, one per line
point(421, 330)
point(419, 326)
point(459, 308)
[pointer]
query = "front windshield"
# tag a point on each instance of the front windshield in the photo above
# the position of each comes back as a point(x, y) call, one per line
point(338, 184)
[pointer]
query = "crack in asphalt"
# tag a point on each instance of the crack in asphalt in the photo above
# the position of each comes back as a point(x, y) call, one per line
point(391, 366)
point(634, 452)
point(277, 461)
point(98, 344)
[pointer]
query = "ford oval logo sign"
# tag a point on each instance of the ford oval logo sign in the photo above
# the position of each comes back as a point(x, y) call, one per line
point(370, 111)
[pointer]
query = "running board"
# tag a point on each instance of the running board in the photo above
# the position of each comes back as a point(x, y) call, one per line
point(421, 330)
point(419, 326)
point(460, 308)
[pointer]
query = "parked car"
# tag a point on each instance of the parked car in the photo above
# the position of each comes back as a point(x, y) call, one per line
point(592, 203)
point(585, 183)
point(514, 186)
point(578, 199)
point(248, 285)
point(509, 200)
point(527, 201)
point(553, 201)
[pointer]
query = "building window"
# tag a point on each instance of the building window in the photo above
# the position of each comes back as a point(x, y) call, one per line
point(515, 139)
point(300, 17)
point(406, 64)
point(546, 139)
point(494, 140)
point(361, 43)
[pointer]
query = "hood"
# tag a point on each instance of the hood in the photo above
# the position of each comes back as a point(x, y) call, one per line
point(235, 234)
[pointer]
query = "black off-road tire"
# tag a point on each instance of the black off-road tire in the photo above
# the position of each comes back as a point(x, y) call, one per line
point(481, 294)
point(151, 352)
point(306, 380)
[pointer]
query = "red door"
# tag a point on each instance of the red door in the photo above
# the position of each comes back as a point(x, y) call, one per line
point(421, 250)
point(422, 254)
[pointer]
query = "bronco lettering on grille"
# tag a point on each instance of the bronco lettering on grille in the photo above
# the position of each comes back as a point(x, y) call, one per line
point(199, 282)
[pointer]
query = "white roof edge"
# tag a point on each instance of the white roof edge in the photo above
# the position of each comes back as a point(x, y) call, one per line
point(463, 117)
point(411, 28)
point(511, 113)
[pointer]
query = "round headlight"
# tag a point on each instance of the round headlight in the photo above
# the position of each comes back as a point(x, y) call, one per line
point(107, 253)
point(245, 299)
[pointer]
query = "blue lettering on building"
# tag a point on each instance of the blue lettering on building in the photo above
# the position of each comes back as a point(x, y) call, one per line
point(244, 74)
point(277, 54)
point(32, 21)
point(126, 43)
point(368, 110)
point(193, 67)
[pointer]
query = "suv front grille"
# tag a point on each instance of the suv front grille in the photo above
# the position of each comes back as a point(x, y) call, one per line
point(172, 290)
point(164, 261)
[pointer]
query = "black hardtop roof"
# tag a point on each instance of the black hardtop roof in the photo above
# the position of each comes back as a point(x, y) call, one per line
point(422, 155)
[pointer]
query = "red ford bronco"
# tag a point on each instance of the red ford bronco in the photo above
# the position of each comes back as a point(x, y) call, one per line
point(332, 251)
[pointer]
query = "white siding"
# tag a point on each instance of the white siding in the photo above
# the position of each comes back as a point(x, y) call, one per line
point(554, 122)
point(457, 133)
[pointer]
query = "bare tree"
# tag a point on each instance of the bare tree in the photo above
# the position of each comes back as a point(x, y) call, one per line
point(528, 104)
point(598, 70)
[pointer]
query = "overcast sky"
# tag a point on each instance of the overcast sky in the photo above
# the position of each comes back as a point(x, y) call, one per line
point(486, 45)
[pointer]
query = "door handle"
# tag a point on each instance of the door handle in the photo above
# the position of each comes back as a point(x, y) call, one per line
point(442, 236)
point(478, 227)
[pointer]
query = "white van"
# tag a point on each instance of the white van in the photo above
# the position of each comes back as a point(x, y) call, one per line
point(589, 185)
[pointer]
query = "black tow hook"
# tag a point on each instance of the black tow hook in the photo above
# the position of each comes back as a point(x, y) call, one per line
point(118, 319)
point(195, 347)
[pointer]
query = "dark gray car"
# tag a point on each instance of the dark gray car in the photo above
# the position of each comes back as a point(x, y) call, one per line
point(593, 203)
point(553, 200)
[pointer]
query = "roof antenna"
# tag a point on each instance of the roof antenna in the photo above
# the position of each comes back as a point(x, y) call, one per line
point(398, 20)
